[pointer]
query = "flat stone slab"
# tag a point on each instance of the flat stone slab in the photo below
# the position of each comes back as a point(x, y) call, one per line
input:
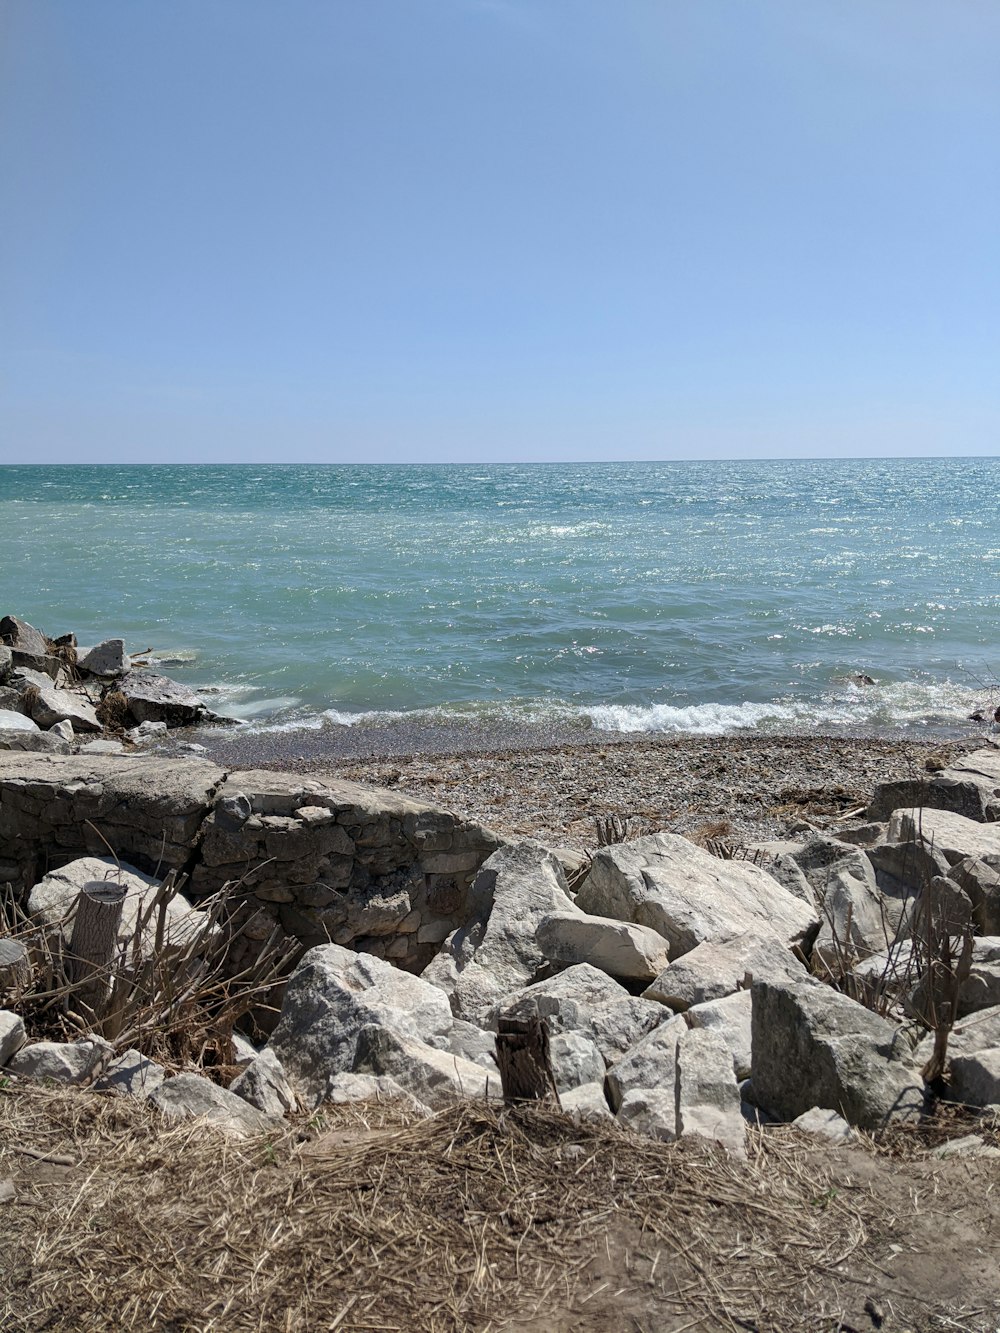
point(190, 1097)
point(14, 721)
point(153, 698)
point(952, 835)
point(53, 705)
point(620, 948)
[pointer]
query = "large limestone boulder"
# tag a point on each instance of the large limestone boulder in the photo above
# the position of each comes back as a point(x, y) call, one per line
point(688, 896)
point(708, 1097)
point(815, 1047)
point(12, 1035)
point(73, 1062)
point(153, 698)
point(107, 658)
point(954, 836)
point(962, 795)
point(53, 901)
point(852, 919)
point(718, 968)
point(979, 876)
point(33, 741)
point(191, 1097)
point(12, 720)
point(435, 1078)
point(21, 637)
point(620, 948)
point(131, 1074)
point(330, 997)
point(498, 951)
point(731, 1020)
point(582, 999)
point(975, 1079)
point(650, 1064)
point(264, 1084)
point(52, 705)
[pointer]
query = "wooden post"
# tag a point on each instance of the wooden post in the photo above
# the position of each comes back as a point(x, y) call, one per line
point(15, 971)
point(95, 935)
point(523, 1060)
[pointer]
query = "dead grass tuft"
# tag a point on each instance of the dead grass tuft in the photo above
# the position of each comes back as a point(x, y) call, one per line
point(112, 713)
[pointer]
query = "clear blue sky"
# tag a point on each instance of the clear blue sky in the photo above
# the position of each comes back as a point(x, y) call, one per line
point(436, 230)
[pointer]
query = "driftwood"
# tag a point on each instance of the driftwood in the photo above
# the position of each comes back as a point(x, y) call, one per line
point(16, 972)
point(95, 935)
point(522, 1046)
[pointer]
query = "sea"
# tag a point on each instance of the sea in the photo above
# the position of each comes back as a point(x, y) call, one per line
point(846, 597)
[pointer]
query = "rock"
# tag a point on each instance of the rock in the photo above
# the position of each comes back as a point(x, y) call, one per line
point(147, 730)
point(13, 700)
point(497, 952)
point(651, 1112)
point(243, 1050)
point(7, 1191)
point(131, 1075)
point(585, 1102)
point(574, 861)
point(435, 1078)
point(330, 997)
point(975, 1079)
point(954, 836)
point(53, 705)
point(108, 658)
point(11, 720)
point(979, 876)
point(102, 747)
point(623, 950)
point(650, 1063)
point(823, 1124)
point(6, 662)
point(582, 999)
point(190, 1097)
point(575, 1060)
point(970, 1036)
point(785, 869)
point(65, 730)
point(970, 1145)
point(965, 796)
point(815, 1047)
point(263, 1084)
point(851, 908)
point(907, 864)
point(688, 896)
point(153, 698)
point(730, 1019)
point(708, 1097)
point(860, 835)
point(469, 1042)
point(33, 741)
point(21, 637)
point(12, 1036)
point(63, 1062)
point(53, 902)
point(345, 1088)
point(718, 967)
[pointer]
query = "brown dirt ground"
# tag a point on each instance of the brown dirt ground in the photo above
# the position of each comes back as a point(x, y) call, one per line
point(478, 1220)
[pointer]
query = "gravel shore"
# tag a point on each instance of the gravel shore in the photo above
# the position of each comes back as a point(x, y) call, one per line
point(736, 788)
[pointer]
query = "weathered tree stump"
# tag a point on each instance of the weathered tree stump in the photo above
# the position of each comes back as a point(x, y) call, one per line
point(16, 973)
point(95, 935)
point(522, 1046)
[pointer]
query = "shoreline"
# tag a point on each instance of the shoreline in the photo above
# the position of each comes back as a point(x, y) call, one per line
point(738, 787)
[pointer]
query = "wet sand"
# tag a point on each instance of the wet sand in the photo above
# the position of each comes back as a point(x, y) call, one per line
point(737, 788)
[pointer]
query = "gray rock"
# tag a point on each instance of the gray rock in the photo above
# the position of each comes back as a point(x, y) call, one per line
point(63, 1062)
point(12, 1035)
point(785, 869)
point(346, 1088)
point(970, 1036)
point(19, 636)
point(815, 1047)
point(719, 967)
point(497, 952)
point(970, 1145)
point(11, 720)
point(620, 948)
point(965, 796)
point(105, 659)
point(975, 1079)
point(65, 730)
point(330, 997)
point(264, 1084)
point(13, 699)
point(582, 999)
point(585, 1102)
point(34, 741)
point(910, 864)
point(687, 896)
point(469, 1042)
point(153, 698)
point(708, 1097)
point(981, 988)
point(979, 876)
point(651, 1112)
point(131, 1075)
point(53, 705)
point(954, 836)
point(191, 1097)
point(575, 1060)
point(861, 835)
point(851, 909)
point(6, 662)
point(823, 1124)
point(435, 1078)
point(650, 1063)
point(102, 747)
point(730, 1019)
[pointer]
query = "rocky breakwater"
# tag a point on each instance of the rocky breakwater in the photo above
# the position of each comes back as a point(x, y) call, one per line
point(58, 697)
point(843, 981)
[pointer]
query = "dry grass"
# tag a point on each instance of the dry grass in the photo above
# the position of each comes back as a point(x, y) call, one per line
point(470, 1220)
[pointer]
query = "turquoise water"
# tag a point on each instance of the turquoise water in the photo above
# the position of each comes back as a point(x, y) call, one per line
point(699, 597)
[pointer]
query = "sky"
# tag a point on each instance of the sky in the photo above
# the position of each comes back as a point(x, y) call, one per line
point(498, 230)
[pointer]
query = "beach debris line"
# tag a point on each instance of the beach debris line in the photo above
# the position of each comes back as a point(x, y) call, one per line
point(57, 697)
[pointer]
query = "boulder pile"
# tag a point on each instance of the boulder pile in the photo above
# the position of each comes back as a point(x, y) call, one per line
point(57, 697)
point(680, 992)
